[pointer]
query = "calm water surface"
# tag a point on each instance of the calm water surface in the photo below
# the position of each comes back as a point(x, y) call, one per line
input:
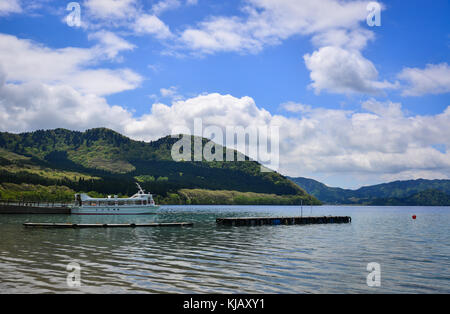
point(414, 254)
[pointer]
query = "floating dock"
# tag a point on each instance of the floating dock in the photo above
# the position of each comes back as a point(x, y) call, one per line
point(259, 221)
point(132, 225)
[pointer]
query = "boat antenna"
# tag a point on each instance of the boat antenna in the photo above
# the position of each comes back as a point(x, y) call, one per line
point(140, 189)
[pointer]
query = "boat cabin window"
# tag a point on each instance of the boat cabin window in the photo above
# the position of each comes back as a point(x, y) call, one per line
point(111, 202)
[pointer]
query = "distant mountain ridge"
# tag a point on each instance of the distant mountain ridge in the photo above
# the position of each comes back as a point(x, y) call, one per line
point(104, 161)
point(411, 192)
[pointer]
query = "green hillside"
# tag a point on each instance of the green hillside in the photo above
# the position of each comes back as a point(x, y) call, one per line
point(412, 192)
point(106, 162)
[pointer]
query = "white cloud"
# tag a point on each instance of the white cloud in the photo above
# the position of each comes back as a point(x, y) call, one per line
point(334, 26)
point(354, 39)
point(151, 24)
point(371, 146)
point(296, 107)
point(129, 14)
point(104, 81)
point(343, 71)
point(165, 5)
point(110, 44)
point(32, 106)
point(27, 61)
point(434, 79)
point(221, 34)
point(9, 6)
point(111, 9)
point(171, 93)
point(338, 65)
point(268, 22)
point(213, 109)
point(378, 143)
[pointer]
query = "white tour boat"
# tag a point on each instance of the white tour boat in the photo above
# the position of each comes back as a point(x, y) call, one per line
point(139, 203)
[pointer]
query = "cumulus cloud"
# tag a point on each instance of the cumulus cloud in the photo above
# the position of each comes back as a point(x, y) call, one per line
point(221, 34)
point(111, 9)
point(353, 39)
point(9, 6)
point(110, 44)
point(31, 106)
point(165, 5)
point(433, 79)
point(268, 22)
point(379, 141)
point(130, 14)
point(334, 27)
point(296, 107)
point(151, 24)
point(213, 109)
point(377, 144)
point(171, 93)
point(26, 61)
point(263, 23)
point(338, 66)
point(343, 71)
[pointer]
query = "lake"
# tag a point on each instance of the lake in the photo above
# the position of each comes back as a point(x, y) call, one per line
point(414, 255)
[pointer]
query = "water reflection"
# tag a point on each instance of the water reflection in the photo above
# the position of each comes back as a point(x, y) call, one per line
point(214, 259)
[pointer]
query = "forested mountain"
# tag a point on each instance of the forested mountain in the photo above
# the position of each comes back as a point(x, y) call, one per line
point(103, 161)
point(324, 193)
point(424, 198)
point(412, 192)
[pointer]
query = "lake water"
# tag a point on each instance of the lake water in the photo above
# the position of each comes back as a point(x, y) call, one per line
point(414, 255)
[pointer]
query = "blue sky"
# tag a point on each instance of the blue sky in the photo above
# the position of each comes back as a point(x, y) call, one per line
point(361, 104)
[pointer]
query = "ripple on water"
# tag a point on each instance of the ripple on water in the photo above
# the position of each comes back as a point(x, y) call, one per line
point(414, 255)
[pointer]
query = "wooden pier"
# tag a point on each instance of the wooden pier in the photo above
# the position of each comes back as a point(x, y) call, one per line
point(259, 221)
point(131, 225)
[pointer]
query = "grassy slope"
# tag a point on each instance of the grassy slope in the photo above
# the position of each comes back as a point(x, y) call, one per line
point(209, 197)
point(14, 163)
point(33, 192)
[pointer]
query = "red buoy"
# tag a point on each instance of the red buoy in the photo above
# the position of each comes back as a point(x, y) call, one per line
point(414, 217)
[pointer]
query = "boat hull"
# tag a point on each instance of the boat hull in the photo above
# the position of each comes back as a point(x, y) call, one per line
point(123, 210)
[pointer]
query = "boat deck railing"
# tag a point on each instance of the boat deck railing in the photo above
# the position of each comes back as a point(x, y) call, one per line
point(44, 204)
